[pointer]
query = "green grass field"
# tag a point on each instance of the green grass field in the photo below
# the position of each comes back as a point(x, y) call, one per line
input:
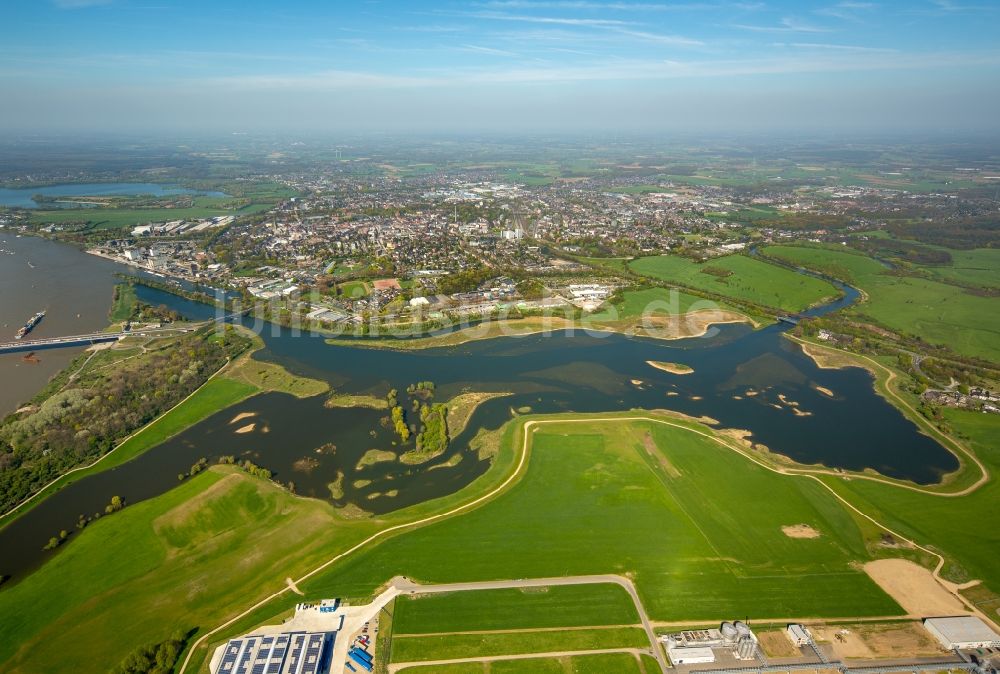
point(179, 561)
point(454, 646)
point(600, 663)
point(559, 606)
point(749, 279)
point(658, 301)
point(980, 266)
point(692, 552)
point(123, 304)
point(937, 312)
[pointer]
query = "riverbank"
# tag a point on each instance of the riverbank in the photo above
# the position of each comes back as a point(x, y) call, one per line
point(971, 473)
point(237, 380)
point(684, 326)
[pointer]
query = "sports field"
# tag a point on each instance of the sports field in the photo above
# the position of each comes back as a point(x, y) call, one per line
point(697, 527)
point(741, 278)
point(937, 312)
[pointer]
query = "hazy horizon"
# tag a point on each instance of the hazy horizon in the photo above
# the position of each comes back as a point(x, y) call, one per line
point(502, 66)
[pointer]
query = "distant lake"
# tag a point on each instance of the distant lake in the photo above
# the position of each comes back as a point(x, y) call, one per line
point(22, 197)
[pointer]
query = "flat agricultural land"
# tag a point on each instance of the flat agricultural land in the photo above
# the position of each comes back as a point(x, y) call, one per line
point(456, 646)
point(701, 541)
point(980, 266)
point(937, 312)
point(599, 663)
point(513, 609)
point(739, 277)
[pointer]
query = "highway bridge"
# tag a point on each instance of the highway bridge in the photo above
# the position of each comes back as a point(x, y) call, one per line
point(88, 339)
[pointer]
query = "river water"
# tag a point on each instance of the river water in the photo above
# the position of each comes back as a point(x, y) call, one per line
point(22, 197)
point(73, 288)
point(754, 380)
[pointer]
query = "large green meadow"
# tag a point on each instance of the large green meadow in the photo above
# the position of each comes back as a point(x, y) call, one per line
point(698, 529)
point(515, 609)
point(696, 525)
point(739, 277)
point(937, 312)
point(600, 663)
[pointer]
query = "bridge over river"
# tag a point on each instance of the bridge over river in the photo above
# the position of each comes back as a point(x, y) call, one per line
point(88, 339)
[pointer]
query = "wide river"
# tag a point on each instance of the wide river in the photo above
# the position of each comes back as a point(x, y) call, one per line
point(753, 380)
point(22, 197)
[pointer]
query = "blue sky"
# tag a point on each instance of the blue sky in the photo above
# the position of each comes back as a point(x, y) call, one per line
point(503, 65)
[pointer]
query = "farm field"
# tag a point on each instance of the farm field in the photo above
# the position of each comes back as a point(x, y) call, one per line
point(691, 555)
point(455, 646)
point(600, 663)
point(980, 266)
point(739, 277)
point(510, 609)
point(937, 312)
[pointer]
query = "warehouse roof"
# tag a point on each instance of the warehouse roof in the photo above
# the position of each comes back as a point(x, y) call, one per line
point(963, 629)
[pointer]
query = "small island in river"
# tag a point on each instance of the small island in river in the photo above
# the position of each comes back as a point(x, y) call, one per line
point(672, 368)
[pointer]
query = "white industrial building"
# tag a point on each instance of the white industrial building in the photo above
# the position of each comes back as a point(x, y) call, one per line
point(693, 646)
point(798, 635)
point(690, 655)
point(962, 632)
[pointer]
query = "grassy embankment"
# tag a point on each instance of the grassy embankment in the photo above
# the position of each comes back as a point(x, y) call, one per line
point(649, 500)
point(937, 312)
point(237, 381)
point(741, 278)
